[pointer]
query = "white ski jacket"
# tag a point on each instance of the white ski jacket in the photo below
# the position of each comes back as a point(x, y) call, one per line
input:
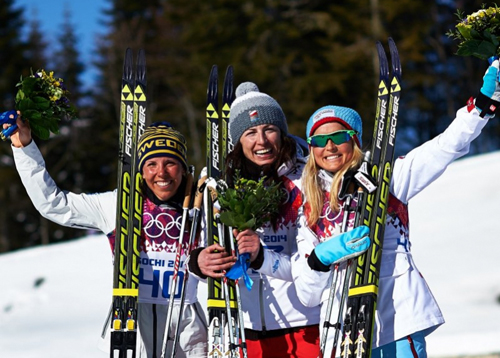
point(272, 303)
point(405, 302)
point(98, 212)
point(89, 211)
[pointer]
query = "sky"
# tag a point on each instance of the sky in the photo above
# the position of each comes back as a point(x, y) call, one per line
point(55, 298)
point(86, 15)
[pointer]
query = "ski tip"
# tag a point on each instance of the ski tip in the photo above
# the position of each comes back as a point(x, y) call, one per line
point(395, 60)
point(212, 91)
point(228, 96)
point(140, 73)
point(382, 59)
point(127, 64)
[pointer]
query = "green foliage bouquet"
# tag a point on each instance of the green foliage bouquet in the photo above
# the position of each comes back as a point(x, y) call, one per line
point(250, 204)
point(478, 34)
point(43, 99)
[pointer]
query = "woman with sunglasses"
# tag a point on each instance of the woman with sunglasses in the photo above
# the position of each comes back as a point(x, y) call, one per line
point(406, 309)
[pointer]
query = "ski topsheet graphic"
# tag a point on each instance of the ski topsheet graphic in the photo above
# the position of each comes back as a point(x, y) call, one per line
point(129, 209)
point(358, 301)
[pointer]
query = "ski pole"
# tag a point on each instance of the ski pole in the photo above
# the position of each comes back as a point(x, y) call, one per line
point(173, 287)
point(225, 287)
point(241, 320)
point(198, 199)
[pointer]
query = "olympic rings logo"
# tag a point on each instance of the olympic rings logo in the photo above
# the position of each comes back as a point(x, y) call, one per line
point(328, 214)
point(155, 228)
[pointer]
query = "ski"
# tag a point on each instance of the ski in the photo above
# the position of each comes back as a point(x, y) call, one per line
point(215, 302)
point(129, 210)
point(362, 297)
point(227, 100)
point(223, 331)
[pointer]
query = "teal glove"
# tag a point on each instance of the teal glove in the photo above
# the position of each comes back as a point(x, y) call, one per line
point(491, 86)
point(344, 246)
point(488, 99)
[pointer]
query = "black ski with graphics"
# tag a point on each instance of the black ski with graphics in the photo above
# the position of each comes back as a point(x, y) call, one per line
point(361, 304)
point(224, 329)
point(129, 210)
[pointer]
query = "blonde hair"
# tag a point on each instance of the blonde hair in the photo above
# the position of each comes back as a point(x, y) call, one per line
point(312, 188)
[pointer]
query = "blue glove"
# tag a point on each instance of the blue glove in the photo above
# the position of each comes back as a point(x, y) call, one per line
point(344, 246)
point(5, 119)
point(488, 99)
point(240, 269)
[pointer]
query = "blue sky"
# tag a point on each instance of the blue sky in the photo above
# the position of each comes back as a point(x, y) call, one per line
point(86, 16)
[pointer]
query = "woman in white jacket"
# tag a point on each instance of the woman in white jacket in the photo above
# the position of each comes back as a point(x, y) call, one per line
point(163, 164)
point(276, 323)
point(406, 309)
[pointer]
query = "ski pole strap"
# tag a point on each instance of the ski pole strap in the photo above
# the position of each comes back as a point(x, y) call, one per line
point(486, 105)
point(239, 269)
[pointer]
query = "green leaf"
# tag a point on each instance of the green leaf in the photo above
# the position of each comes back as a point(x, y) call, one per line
point(40, 132)
point(250, 224)
point(465, 31)
point(26, 104)
point(19, 96)
point(54, 127)
point(29, 85)
point(228, 218)
point(41, 102)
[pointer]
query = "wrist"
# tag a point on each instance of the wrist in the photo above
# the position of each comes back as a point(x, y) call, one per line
point(259, 260)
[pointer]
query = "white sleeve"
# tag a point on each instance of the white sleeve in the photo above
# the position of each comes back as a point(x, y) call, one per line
point(276, 265)
point(83, 211)
point(309, 283)
point(426, 163)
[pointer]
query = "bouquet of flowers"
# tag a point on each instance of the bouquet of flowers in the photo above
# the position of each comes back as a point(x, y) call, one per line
point(43, 100)
point(478, 34)
point(249, 205)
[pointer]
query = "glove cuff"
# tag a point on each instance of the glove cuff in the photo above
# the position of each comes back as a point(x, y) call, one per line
point(259, 260)
point(486, 105)
point(193, 263)
point(315, 264)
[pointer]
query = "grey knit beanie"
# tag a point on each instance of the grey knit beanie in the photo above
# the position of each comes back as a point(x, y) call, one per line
point(252, 108)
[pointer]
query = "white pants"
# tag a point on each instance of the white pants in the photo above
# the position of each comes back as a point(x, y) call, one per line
point(192, 341)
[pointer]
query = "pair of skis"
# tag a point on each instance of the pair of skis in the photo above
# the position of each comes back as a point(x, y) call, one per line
point(225, 330)
point(129, 209)
point(363, 275)
point(124, 317)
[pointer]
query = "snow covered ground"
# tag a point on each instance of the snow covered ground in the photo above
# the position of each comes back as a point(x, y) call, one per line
point(54, 299)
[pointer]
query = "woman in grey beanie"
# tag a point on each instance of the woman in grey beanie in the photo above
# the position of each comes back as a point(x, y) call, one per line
point(276, 323)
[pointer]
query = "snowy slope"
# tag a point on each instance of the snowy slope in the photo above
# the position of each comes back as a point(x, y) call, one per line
point(455, 242)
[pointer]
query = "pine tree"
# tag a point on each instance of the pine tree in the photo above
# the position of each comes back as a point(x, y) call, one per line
point(36, 46)
point(13, 60)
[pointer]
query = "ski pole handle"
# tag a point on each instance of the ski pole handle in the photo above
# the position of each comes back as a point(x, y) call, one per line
point(5, 119)
point(198, 197)
point(189, 188)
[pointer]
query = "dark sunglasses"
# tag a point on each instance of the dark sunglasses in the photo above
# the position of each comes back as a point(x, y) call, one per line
point(338, 137)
